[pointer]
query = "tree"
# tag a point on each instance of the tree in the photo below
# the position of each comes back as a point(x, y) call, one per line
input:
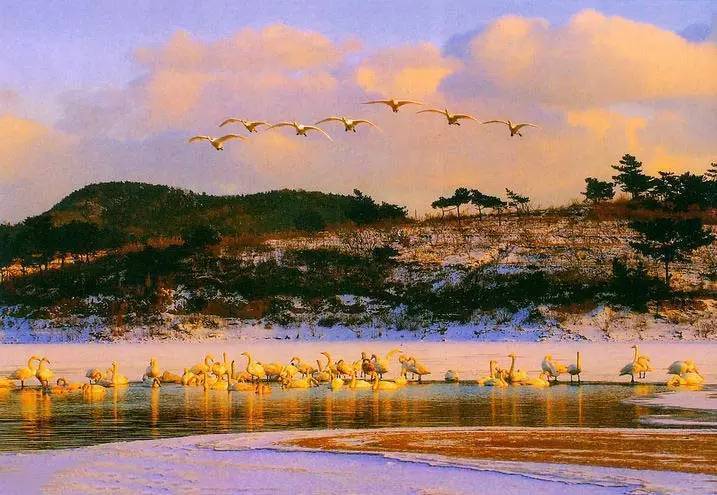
point(461, 196)
point(710, 180)
point(680, 192)
point(7, 248)
point(201, 236)
point(517, 201)
point(597, 190)
point(631, 178)
point(309, 221)
point(442, 204)
point(79, 238)
point(668, 240)
point(364, 210)
point(37, 241)
point(482, 201)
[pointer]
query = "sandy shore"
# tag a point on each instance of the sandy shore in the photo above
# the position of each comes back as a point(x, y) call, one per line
point(286, 463)
point(684, 451)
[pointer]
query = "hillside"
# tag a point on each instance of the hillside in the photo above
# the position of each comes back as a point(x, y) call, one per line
point(142, 210)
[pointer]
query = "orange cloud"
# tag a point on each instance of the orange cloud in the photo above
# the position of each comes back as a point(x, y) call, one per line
point(405, 72)
point(594, 59)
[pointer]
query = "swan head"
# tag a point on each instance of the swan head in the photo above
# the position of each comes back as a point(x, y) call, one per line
point(511, 355)
point(44, 360)
point(548, 357)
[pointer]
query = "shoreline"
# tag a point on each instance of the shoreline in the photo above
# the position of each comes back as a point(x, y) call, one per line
point(277, 462)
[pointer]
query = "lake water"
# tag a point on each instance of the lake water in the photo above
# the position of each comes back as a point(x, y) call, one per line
point(30, 419)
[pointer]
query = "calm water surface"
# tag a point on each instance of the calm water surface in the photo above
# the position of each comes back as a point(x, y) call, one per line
point(30, 419)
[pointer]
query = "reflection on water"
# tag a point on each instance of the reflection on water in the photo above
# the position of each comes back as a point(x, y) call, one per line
point(30, 419)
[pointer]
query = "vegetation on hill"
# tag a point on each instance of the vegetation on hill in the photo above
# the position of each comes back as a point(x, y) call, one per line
point(217, 262)
point(109, 215)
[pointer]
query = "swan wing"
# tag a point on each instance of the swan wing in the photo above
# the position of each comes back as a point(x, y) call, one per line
point(281, 124)
point(525, 124)
point(628, 369)
point(400, 103)
point(329, 119)
point(362, 121)
point(314, 128)
point(228, 137)
point(199, 138)
point(230, 120)
point(372, 102)
point(432, 110)
point(465, 116)
point(495, 122)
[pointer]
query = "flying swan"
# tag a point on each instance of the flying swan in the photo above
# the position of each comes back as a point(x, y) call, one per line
point(393, 103)
point(217, 142)
point(250, 125)
point(514, 128)
point(452, 118)
point(349, 124)
point(301, 129)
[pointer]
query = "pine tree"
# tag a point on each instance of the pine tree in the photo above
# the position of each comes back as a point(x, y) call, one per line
point(668, 240)
point(631, 178)
point(597, 190)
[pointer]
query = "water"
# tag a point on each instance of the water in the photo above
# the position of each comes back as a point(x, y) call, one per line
point(32, 420)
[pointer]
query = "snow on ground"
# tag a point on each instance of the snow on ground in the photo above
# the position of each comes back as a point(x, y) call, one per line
point(254, 463)
point(600, 361)
point(701, 400)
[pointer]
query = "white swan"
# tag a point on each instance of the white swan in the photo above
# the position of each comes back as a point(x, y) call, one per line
point(575, 369)
point(250, 125)
point(679, 367)
point(94, 375)
point(644, 363)
point(27, 372)
point(515, 376)
point(301, 129)
point(452, 118)
point(153, 370)
point(43, 373)
point(547, 366)
point(393, 103)
point(514, 128)
point(633, 367)
point(217, 142)
point(452, 376)
point(349, 124)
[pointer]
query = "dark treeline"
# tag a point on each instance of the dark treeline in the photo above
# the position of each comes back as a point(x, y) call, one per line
point(110, 215)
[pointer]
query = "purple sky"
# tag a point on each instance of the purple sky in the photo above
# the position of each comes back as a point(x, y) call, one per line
point(48, 47)
point(103, 90)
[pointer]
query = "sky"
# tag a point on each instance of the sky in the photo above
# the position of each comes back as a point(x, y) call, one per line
point(95, 91)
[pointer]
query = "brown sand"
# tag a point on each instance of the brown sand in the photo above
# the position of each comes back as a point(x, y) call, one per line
point(685, 451)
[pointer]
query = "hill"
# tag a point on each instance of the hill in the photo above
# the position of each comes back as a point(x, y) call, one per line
point(139, 210)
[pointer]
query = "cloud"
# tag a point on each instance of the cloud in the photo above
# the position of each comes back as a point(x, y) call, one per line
point(593, 60)
point(405, 72)
point(597, 86)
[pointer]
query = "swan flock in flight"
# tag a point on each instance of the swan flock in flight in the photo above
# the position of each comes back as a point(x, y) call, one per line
point(350, 124)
